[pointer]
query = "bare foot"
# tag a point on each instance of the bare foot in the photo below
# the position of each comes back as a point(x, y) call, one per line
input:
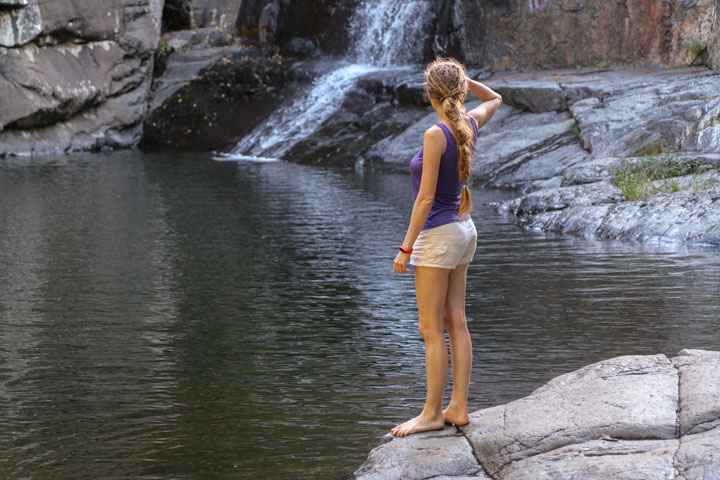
point(456, 416)
point(420, 423)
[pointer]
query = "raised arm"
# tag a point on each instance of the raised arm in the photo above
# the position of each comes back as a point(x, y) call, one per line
point(491, 102)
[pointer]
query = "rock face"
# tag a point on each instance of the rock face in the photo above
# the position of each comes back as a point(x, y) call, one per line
point(531, 34)
point(631, 417)
point(74, 75)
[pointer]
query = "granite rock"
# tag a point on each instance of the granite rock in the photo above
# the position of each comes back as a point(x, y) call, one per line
point(634, 417)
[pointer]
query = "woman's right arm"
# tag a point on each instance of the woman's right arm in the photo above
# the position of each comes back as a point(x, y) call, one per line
point(491, 102)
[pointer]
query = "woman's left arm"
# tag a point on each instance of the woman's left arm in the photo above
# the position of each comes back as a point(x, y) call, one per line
point(433, 145)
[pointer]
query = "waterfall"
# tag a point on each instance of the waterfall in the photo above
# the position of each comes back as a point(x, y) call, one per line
point(385, 34)
point(390, 32)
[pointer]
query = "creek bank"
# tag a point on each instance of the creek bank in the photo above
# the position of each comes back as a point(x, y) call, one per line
point(560, 135)
point(632, 417)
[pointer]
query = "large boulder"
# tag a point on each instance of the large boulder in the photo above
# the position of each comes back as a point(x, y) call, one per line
point(632, 417)
point(213, 89)
point(74, 76)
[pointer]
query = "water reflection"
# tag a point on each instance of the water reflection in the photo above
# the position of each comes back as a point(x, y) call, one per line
point(169, 316)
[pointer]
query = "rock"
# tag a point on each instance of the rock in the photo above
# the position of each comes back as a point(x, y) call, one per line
point(541, 34)
point(596, 210)
point(421, 456)
point(631, 116)
point(213, 13)
point(300, 47)
point(206, 98)
point(620, 418)
point(75, 76)
point(371, 110)
point(529, 91)
point(323, 22)
point(698, 457)
point(700, 390)
point(612, 459)
point(630, 397)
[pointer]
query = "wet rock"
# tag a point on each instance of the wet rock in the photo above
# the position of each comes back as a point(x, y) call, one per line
point(300, 47)
point(207, 98)
point(620, 418)
point(370, 111)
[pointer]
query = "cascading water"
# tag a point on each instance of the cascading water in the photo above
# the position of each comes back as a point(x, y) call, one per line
point(385, 34)
point(389, 32)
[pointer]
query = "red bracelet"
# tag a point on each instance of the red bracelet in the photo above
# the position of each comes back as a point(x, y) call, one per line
point(405, 250)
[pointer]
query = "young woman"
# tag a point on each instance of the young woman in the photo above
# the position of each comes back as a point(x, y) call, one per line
point(441, 239)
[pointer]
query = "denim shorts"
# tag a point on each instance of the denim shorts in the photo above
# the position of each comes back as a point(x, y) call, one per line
point(446, 246)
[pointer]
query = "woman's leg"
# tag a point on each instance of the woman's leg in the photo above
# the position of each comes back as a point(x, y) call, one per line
point(455, 323)
point(430, 290)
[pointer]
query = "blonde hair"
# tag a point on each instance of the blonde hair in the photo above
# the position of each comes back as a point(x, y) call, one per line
point(446, 82)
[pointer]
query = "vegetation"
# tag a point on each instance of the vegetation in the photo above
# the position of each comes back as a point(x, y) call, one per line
point(163, 45)
point(695, 47)
point(637, 181)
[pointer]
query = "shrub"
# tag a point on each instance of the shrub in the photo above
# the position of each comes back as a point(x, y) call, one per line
point(636, 181)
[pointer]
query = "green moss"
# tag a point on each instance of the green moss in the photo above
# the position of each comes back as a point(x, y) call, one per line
point(163, 46)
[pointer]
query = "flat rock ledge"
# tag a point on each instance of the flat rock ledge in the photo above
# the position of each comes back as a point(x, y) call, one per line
point(639, 417)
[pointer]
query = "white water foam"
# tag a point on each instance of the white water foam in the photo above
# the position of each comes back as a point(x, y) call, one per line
point(234, 157)
point(290, 124)
point(390, 32)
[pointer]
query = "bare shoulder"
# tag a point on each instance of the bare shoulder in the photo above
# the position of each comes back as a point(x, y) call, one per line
point(434, 132)
point(435, 137)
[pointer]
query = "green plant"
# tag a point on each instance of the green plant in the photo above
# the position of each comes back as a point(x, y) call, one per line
point(163, 46)
point(695, 46)
point(637, 180)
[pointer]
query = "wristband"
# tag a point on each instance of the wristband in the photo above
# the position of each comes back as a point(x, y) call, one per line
point(405, 250)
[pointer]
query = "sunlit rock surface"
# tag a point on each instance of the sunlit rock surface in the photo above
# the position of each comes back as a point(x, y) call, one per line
point(632, 417)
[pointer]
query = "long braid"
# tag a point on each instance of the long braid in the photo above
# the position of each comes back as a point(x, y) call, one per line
point(446, 82)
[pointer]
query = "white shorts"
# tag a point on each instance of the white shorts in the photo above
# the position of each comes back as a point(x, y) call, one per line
point(446, 246)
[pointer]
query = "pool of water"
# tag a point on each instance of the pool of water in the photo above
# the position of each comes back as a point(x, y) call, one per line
point(170, 316)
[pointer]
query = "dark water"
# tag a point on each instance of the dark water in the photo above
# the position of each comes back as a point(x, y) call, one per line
point(174, 317)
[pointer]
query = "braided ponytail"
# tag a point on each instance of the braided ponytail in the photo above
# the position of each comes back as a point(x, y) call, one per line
point(446, 81)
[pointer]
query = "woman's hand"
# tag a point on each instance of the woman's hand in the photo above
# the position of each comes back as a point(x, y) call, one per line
point(400, 263)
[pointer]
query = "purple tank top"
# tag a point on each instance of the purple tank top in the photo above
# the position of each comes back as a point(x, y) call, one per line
point(447, 193)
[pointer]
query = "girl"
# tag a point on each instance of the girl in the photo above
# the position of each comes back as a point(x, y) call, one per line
point(441, 239)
